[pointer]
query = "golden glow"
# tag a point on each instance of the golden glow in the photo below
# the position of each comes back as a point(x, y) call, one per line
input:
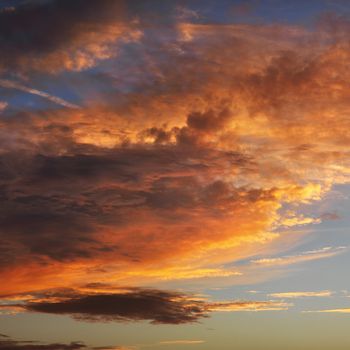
point(174, 184)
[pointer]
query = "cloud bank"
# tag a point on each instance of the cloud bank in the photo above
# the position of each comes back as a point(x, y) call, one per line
point(208, 143)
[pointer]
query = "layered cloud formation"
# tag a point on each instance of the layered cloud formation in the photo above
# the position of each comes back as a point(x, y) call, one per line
point(210, 141)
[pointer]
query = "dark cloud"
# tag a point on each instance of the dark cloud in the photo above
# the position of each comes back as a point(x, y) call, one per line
point(208, 121)
point(134, 305)
point(8, 344)
point(54, 31)
point(55, 205)
point(106, 304)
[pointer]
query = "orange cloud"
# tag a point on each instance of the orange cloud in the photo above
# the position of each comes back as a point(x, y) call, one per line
point(248, 306)
point(187, 170)
point(3, 106)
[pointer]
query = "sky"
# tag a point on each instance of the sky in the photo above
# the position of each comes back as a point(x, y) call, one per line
point(174, 174)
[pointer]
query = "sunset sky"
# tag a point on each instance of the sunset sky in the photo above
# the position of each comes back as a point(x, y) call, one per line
point(174, 174)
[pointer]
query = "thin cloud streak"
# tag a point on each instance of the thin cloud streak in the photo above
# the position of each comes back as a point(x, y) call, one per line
point(181, 342)
point(324, 253)
point(296, 295)
point(249, 306)
point(330, 311)
point(57, 100)
point(7, 343)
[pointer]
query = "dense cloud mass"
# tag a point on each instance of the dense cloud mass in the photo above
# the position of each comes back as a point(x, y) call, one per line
point(209, 140)
point(153, 305)
point(134, 304)
point(56, 35)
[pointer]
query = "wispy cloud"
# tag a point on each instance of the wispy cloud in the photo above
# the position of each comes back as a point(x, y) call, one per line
point(57, 100)
point(295, 295)
point(7, 343)
point(252, 306)
point(181, 342)
point(326, 252)
point(331, 311)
